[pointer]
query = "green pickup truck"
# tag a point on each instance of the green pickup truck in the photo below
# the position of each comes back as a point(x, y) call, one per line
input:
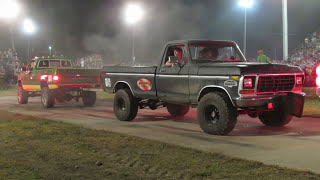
point(56, 79)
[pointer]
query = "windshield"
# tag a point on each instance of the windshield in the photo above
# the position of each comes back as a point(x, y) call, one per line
point(215, 52)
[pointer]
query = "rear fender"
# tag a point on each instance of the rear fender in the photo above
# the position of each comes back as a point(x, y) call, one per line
point(121, 85)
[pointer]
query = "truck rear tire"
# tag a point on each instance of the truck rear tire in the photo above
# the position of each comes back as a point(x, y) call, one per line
point(125, 105)
point(47, 97)
point(280, 117)
point(216, 114)
point(22, 95)
point(89, 98)
point(177, 109)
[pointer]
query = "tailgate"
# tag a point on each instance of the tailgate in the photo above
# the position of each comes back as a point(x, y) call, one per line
point(79, 77)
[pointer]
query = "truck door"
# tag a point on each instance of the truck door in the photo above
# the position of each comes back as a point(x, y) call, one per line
point(29, 80)
point(172, 80)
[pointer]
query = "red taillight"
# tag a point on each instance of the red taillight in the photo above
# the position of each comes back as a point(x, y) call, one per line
point(318, 71)
point(299, 80)
point(55, 78)
point(247, 82)
point(318, 81)
point(318, 76)
point(43, 77)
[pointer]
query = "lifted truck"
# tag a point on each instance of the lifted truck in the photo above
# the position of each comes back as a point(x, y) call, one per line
point(212, 76)
point(56, 79)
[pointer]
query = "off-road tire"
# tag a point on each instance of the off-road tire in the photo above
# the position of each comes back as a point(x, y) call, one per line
point(279, 117)
point(47, 97)
point(253, 115)
point(89, 98)
point(125, 105)
point(177, 109)
point(216, 114)
point(59, 96)
point(22, 95)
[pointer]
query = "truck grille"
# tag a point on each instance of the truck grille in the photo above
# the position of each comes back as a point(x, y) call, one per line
point(275, 83)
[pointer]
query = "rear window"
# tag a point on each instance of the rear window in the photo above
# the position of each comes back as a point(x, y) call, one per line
point(65, 63)
point(43, 64)
point(54, 63)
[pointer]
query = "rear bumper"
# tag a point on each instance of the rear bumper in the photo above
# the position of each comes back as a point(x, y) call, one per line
point(294, 102)
point(74, 85)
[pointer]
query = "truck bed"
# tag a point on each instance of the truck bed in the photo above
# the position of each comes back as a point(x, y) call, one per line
point(141, 80)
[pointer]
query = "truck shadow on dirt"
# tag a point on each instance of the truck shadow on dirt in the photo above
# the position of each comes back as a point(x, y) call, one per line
point(246, 126)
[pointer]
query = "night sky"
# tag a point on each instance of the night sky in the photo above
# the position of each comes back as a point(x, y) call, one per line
point(82, 27)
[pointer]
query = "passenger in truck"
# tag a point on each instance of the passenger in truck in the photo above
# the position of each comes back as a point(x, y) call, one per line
point(205, 54)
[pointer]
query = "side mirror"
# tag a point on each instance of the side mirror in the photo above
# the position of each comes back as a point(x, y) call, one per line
point(23, 69)
point(174, 59)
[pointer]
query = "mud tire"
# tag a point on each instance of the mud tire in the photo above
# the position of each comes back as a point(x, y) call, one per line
point(177, 109)
point(125, 105)
point(47, 97)
point(280, 117)
point(216, 114)
point(89, 98)
point(22, 95)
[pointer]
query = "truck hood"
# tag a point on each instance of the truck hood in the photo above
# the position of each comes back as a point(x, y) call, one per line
point(243, 68)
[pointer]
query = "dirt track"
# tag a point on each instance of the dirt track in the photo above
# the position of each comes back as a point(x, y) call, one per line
point(295, 145)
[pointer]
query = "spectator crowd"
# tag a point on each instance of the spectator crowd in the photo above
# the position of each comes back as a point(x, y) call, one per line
point(306, 56)
point(92, 61)
point(9, 67)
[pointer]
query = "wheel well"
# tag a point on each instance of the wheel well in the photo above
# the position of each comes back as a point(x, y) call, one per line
point(214, 89)
point(120, 85)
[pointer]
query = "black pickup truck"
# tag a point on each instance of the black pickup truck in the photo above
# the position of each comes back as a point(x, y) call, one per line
point(212, 76)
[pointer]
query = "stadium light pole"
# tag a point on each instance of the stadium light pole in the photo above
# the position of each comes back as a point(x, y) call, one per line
point(50, 50)
point(245, 4)
point(9, 10)
point(29, 29)
point(285, 29)
point(133, 14)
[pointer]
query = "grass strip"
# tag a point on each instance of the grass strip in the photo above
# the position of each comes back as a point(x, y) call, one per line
point(34, 148)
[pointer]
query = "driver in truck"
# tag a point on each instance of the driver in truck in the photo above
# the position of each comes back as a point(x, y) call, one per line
point(176, 52)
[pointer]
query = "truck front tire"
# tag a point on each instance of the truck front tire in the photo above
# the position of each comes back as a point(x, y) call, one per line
point(216, 114)
point(22, 95)
point(279, 117)
point(89, 98)
point(177, 109)
point(125, 105)
point(47, 97)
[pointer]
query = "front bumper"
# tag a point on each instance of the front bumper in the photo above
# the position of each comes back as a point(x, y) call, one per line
point(293, 101)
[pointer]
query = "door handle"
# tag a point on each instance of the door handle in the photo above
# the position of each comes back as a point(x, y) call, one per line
point(162, 70)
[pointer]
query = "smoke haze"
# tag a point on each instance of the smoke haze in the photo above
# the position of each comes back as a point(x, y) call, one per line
point(82, 27)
